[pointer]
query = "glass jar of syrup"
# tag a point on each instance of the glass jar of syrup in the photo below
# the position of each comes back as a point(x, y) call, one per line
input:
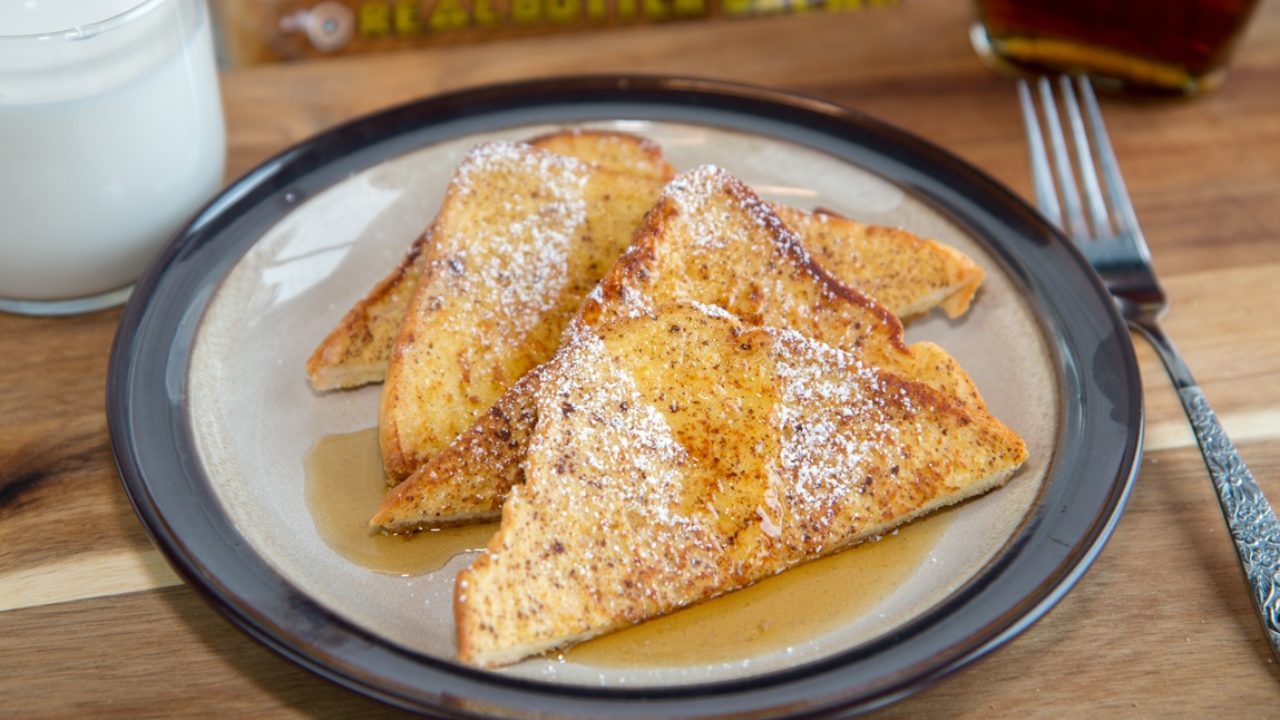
point(1163, 46)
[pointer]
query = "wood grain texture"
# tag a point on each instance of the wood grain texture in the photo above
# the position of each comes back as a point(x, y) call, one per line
point(86, 659)
point(1160, 626)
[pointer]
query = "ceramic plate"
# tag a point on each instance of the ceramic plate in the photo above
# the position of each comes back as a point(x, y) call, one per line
point(211, 416)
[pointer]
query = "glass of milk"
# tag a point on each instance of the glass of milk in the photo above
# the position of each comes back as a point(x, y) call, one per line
point(111, 136)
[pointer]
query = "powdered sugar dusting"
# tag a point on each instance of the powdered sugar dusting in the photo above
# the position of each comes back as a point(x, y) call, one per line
point(624, 427)
point(505, 156)
point(720, 219)
point(836, 420)
point(628, 468)
point(522, 264)
point(714, 311)
point(694, 194)
point(635, 303)
point(825, 392)
point(729, 455)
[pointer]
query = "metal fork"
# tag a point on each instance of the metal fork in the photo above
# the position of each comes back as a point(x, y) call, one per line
point(1112, 242)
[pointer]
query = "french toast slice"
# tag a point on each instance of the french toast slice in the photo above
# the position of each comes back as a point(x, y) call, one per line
point(522, 236)
point(356, 351)
point(680, 455)
point(712, 240)
point(613, 150)
point(906, 273)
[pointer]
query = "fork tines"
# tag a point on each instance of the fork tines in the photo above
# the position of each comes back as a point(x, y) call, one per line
point(1071, 157)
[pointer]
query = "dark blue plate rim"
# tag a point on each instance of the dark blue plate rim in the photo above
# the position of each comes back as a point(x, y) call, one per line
point(1096, 456)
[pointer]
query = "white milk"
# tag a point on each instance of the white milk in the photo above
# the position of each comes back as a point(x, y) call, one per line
point(27, 17)
point(110, 137)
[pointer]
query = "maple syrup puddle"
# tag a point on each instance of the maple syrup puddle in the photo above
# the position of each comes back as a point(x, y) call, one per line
point(776, 613)
point(344, 486)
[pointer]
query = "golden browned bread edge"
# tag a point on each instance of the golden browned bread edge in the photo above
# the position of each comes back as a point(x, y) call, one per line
point(975, 410)
point(332, 365)
point(468, 654)
point(454, 458)
point(327, 367)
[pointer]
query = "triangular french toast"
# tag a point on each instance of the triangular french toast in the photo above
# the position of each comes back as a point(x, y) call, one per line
point(712, 240)
point(680, 455)
point(906, 273)
point(521, 237)
point(356, 352)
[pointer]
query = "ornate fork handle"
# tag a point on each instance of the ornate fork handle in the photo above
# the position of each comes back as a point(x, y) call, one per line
point(1253, 523)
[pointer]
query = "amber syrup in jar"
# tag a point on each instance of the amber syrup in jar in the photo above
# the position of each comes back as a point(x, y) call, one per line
point(1171, 46)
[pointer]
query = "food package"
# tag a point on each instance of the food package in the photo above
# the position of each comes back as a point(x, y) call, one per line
point(260, 31)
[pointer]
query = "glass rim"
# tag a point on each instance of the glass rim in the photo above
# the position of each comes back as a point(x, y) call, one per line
point(88, 30)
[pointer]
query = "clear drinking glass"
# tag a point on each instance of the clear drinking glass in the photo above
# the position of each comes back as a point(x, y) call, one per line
point(111, 136)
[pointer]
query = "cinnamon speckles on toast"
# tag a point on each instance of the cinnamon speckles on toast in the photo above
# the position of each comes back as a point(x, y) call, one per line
point(709, 239)
point(522, 236)
point(356, 352)
point(680, 455)
point(665, 386)
point(907, 274)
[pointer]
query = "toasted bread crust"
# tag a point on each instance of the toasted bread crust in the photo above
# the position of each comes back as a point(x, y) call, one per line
point(814, 302)
point(469, 480)
point(356, 352)
point(522, 236)
point(904, 273)
point(618, 151)
point(681, 455)
point(755, 268)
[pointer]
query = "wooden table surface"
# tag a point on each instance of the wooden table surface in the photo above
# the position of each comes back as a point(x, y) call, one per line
point(93, 622)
